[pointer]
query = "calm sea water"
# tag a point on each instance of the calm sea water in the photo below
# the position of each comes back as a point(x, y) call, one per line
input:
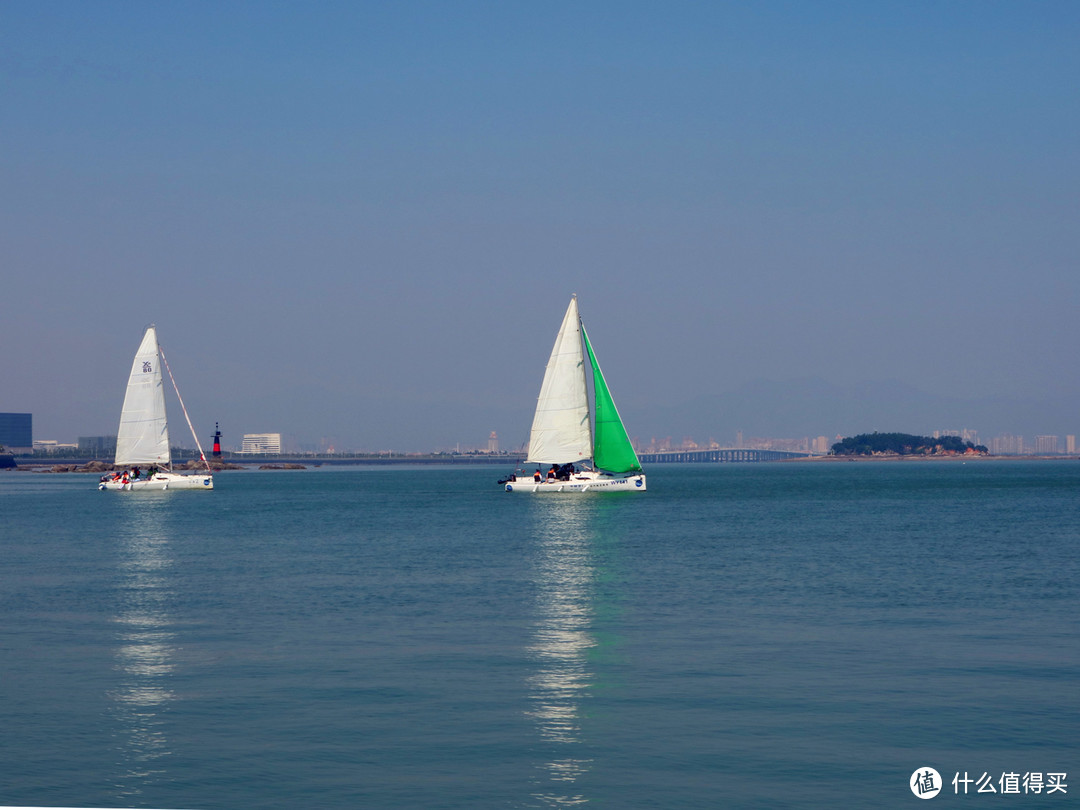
point(773, 635)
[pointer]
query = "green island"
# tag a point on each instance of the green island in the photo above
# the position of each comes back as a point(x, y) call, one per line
point(905, 444)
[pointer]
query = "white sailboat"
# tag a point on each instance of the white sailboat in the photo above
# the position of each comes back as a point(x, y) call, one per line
point(563, 436)
point(142, 442)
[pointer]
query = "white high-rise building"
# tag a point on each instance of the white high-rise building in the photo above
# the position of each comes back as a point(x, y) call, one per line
point(1007, 445)
point(1046, 445)
point(261, 443)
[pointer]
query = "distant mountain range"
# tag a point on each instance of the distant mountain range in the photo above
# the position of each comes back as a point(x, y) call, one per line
point(813, 406)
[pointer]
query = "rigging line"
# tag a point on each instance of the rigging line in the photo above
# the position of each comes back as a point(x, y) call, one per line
point(202, 455)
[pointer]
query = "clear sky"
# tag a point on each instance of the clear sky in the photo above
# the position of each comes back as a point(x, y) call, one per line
point(363, 221)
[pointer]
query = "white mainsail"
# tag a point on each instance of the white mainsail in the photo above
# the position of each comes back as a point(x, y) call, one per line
point(560, 431)
point(143, 437)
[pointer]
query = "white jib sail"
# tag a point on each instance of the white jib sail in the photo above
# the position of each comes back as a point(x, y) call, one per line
point(560, 431)
point(143, 437)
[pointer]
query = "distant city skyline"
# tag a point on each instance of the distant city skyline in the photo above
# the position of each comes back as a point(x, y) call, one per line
point(1002, 444)
point(762, 404)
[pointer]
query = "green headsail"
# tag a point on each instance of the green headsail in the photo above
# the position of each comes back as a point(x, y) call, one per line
point(612, 450)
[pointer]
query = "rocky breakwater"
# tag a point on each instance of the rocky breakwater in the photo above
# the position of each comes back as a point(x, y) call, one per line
point(91, 467)
point(215, 464)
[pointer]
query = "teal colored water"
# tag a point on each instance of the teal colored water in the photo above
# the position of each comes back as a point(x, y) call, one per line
point(775, 635)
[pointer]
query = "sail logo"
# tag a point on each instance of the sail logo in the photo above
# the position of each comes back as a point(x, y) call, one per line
point(147, 367)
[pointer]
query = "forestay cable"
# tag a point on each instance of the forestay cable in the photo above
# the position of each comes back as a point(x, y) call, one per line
point(202, 455)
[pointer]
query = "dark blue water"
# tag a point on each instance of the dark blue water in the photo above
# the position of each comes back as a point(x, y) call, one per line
point(775, 635)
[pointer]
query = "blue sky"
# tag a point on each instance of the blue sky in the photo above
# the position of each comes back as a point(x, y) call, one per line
point(362, 221)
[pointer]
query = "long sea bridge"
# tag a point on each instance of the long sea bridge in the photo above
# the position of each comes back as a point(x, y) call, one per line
point(731, 454)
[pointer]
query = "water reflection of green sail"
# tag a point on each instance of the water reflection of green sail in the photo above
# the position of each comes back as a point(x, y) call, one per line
point(562, 639)
point(145, 649)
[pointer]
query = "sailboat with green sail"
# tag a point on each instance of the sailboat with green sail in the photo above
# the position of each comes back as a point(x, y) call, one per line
point(576, 451)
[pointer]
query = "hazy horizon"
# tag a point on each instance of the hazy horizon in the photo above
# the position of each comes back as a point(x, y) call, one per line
point(362, 223)
point(759, 405)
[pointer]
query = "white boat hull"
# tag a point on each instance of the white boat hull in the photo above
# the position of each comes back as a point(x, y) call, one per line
point(161, 481)
point(582, 482)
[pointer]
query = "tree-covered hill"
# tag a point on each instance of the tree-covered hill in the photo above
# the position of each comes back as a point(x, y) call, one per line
point(903, 444)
